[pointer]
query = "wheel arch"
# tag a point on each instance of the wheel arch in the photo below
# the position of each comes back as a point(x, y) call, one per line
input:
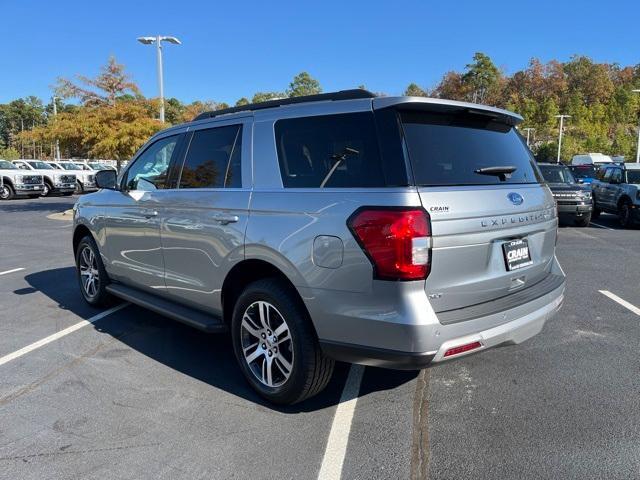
point(624, 198)
point(79, 233)
point(246, 272)
point(7, 180)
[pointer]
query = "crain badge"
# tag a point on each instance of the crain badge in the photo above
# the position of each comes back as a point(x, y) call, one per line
point(515, 198)
point(439, 209)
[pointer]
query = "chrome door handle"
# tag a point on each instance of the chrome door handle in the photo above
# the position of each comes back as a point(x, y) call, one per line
point(225, 219)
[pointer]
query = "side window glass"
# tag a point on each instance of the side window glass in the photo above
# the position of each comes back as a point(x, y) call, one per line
point(149, 171)
point(616, 176)
point(334, 151)
point(213, 159)
point(607, 175)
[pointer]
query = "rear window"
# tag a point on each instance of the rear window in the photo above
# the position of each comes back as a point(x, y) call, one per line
point(330, 151)
point(584, 171)
point(450, 149)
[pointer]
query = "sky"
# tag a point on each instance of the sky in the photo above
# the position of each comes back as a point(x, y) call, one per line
point(232, 49)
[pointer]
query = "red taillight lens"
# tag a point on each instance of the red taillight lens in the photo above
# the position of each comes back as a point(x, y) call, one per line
point(462, 349)
point(397, 241)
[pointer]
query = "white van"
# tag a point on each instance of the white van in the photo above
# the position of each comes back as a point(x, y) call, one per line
point(591, 158)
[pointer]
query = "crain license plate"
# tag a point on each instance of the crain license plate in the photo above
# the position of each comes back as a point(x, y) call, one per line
point(516, 254)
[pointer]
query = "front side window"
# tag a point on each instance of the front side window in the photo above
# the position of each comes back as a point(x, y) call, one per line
point(213, 159)
point(607, 175)
point(149, 171)
point(41, 165)
point(616, 176)
point(332, 151)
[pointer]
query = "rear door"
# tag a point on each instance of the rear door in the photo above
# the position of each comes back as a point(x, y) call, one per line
point(493, 222)
point(205, 215)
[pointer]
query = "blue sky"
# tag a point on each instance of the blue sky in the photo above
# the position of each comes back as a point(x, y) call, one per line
point(235, 48)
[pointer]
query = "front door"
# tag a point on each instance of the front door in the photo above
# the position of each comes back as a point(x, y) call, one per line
point(133, 218)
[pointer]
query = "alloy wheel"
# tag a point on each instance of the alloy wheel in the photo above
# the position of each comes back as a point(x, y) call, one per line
point(89, 272)
point(266, 344)
point(45, 190)
point(5, 192)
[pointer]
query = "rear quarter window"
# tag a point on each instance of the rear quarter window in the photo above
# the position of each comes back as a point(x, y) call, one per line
point(448, 149)
point(333, 151)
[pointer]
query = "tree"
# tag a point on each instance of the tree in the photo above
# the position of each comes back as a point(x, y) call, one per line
point(303, 84)
point(413, 90)
point(111, 83)
point(266, 96)
point(9, 153)
point(482, 77)
point(242, 101)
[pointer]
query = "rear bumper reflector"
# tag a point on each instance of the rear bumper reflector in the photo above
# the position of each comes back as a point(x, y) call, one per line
point(462, 349)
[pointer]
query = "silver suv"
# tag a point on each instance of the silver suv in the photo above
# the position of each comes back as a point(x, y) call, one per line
point(393, 232)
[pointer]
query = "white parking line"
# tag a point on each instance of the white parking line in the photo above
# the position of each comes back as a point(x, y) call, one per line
point(621, 301)
point(60, 334)
point(601, 226)
point(11, 271)
point(336, 449)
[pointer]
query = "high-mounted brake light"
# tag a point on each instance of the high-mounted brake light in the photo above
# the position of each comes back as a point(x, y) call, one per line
point(396, 240)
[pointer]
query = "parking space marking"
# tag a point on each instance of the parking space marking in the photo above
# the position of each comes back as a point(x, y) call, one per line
point(621, 301)
point(601, 226)
point(60, 334)
point(336, 449)
point(12, 271)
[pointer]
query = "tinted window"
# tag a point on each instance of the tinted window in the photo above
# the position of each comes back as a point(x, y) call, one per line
point(149, 171)
point(607, 175)
point(584, 171)
point(616, 176)
point(633, 176)
point(448, 149)
point(333, 151)
point(556, 174)
point(213, 159)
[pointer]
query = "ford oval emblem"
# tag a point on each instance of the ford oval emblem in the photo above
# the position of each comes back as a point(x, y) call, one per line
point(515, 198)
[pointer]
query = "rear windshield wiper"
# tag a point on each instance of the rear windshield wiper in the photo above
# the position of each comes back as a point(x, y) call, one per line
point(502, 172)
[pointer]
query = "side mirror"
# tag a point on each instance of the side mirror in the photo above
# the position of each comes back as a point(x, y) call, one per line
point(106, 179)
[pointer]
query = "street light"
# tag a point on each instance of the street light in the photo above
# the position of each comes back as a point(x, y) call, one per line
point(528, 130)
point(55, 114)
point(158, 41)
point(638, 147)
point(561, 117)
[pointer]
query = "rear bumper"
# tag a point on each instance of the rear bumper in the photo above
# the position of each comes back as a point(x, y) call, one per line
point(417, 337)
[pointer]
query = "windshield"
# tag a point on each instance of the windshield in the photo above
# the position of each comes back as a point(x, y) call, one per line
point(464, 149)
point(554, 174)
point(40, 165)
point(584, 171)
point(70, 166)
point(7, 165)
point(633, 176)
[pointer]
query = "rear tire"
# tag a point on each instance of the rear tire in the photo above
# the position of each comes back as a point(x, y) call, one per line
point(624, 216)
point(275, 344)
point(6, 192)
point(92, 277)
point(582, 221)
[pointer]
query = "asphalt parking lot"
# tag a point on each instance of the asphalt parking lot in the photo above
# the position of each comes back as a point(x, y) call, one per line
point(133, 395)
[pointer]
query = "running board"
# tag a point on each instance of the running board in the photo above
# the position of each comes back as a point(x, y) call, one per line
point(189, 316)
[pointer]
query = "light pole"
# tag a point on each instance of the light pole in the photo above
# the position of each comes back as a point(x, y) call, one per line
point(638, 147)
point(55, 114)
point(561, 117)
point(528, 130)
point(158, 39)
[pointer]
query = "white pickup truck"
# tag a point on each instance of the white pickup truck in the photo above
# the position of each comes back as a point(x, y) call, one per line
point(55, 181)
point(14, 182)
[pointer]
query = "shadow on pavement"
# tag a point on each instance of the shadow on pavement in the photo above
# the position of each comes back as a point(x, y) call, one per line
point(205, 357)
point(37, 205)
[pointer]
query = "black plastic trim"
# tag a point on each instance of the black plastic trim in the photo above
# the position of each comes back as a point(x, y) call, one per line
point(376, 357)
point(189, 316)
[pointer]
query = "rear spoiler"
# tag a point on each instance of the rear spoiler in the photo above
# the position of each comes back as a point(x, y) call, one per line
point(446, 106)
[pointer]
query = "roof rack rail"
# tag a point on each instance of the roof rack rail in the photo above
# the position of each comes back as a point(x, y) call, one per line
point(341, 95)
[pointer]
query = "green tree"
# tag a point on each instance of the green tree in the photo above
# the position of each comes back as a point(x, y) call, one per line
point(413, 90)
point(266, 96)
point(482, 78)
point(242, 101)
point(303, 84)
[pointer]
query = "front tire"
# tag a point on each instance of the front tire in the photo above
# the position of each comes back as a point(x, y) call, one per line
point(6, 192)
point(79, 188)
point(46, 190)
point(624, 216)
point(92, 277)
point(275, 345)
point(582, 221)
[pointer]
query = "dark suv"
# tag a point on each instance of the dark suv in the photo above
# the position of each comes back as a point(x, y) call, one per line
point(572, 197)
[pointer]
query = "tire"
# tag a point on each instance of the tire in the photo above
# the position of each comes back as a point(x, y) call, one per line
point(6, 192)
point(98, 295)
point(624, 216)
point(582, 221)
point(310, 370)
point(595, 212)
point(79, 188)
point(46, 191)
point(67, 194)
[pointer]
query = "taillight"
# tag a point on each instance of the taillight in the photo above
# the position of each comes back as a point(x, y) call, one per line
point(396, 240)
